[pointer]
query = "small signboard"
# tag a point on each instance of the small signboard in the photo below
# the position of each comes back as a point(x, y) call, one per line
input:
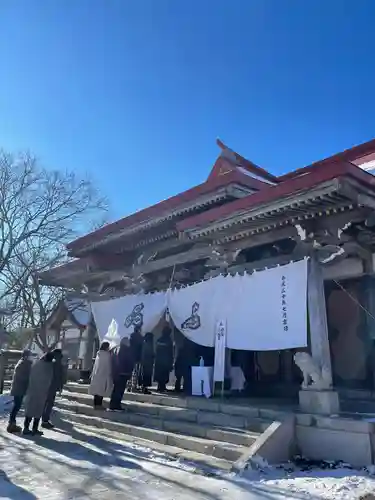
point(220, 345)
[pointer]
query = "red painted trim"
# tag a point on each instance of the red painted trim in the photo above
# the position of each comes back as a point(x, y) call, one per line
point(216, 181)
point(241, 161)
point(273, 193)
point(164, 206)
point(349, 155)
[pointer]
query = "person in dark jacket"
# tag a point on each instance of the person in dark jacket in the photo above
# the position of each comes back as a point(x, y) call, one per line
point(123, 364)
point(163, 359)
point(185, 359)
point(57, 384)
point(136, 344)
point(147, 362)
point(18, 390)
point(36, 396)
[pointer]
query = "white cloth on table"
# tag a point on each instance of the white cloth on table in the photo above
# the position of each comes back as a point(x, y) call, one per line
point(201, 380)
point(237, 379)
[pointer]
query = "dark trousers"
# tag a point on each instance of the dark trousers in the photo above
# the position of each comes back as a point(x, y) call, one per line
point(49, 406)
point(98, 401)
point(17, 403)
point(118, 391)
point(187, 381)
point(162, 387)
point(35, 423)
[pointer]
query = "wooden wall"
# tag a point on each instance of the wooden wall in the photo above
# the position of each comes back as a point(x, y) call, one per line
point(350, 332)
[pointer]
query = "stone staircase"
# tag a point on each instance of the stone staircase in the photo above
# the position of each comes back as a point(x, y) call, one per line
point(206, 432)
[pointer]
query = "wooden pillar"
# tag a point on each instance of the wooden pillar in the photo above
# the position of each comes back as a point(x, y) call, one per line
point(2, 370)
point(89, 347)
point(319, 340)
point(369, 328)
point(320, 399)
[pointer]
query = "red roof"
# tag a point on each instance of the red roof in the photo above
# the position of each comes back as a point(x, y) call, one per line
point(356, 154)
point(240, 161)
point(300, 182)
point(222, 174)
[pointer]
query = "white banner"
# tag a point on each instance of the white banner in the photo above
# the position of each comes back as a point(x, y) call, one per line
point(145, 310)
point(195, 310)
point(264, 311)
point(220, 345)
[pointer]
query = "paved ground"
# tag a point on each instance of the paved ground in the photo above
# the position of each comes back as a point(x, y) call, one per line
point(78, 463)
point(72, 464)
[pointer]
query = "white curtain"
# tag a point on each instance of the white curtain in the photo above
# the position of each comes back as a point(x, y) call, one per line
point(264, 311)
point(195, 309)
point(145, 310)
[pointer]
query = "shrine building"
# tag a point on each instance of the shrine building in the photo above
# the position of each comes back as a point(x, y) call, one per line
point(241, 219)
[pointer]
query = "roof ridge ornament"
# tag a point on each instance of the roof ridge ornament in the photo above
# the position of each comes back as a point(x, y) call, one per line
point(228, 153)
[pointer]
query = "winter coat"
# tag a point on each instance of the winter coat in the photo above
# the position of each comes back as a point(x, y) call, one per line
point(58, 377)
point(186, 357)
point(21, 377)
point(136, 344)
point(147, 362)
point(122, 361)
point(163, 359)
point(40, 380)
point(101, 377)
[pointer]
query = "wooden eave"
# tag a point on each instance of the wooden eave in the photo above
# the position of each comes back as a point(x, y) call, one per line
point(70, 274)
point(285, 193)
point(304, 205)
point(203, 195)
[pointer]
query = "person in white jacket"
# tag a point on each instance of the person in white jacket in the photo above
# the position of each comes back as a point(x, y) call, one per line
point(101, 378)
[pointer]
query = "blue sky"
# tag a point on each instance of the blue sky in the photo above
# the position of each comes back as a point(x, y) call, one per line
point(135, 92)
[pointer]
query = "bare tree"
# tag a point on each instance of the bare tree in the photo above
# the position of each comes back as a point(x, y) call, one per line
point(40, 211)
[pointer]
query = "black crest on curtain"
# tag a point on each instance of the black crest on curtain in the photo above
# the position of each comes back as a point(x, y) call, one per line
point(193, 322)
point(135, 318)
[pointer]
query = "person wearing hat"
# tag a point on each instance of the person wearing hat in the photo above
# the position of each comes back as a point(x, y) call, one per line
point(57, 383)
point(19, 387)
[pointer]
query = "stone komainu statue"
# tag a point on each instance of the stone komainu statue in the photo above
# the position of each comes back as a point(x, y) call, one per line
point(314, 376)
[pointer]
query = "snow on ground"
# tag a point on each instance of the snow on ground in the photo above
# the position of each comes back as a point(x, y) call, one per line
point(336, 484)
point(77, 463)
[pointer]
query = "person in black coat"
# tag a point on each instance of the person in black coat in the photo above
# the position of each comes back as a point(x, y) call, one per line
point(136, 344)
point(147, 362)
point(163, 359)
point(185, 359)
point(19, 387)
point(123, 364)
point(57, 384)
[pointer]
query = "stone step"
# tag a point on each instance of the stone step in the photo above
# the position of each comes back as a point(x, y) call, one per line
point(112, 421)
point(194, 403)
point(205, 463)
point(181, 414)
point(366, 406)
point(228, 434)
